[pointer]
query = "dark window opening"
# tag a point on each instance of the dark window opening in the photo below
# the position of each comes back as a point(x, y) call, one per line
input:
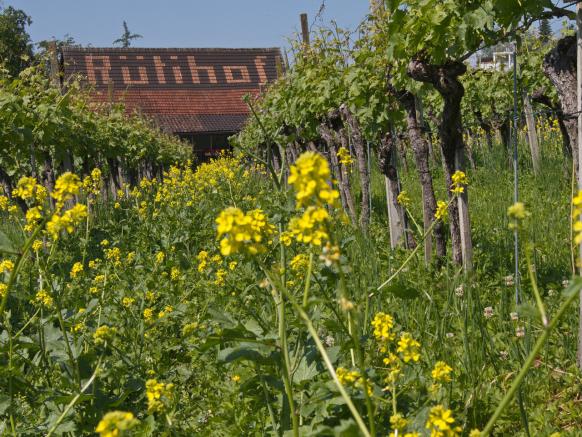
point(207, 146)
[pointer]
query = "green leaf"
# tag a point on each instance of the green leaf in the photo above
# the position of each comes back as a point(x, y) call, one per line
point(6, 245)
point(402, 291)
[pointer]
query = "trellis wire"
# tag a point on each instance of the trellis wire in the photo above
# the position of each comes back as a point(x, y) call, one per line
point(515, 177)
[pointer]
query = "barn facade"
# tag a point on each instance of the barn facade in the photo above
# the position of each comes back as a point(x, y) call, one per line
point(196, 94)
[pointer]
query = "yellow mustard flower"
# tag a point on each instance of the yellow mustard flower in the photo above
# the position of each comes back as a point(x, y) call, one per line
point(310, 227)
point(159, 395)
point(440, 422)
point(408, 347)
point(309, 177)
point(441, 211)
point(76, 269)
point(6, 266)
point(246, 233)
point(344, 156)
point(104, 334)
point(115, 423)
point(403, 199)
point(460, 181)
point(383, 324)
point(66, 186)
point(44, 299)
point(441, 372)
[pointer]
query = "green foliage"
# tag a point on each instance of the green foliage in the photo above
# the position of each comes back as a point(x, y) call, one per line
point(15, 45)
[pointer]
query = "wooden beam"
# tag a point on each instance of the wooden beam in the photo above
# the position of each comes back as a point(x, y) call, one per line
point(304, 29)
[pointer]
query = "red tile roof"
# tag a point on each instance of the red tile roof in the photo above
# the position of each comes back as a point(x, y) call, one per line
point(183, 90)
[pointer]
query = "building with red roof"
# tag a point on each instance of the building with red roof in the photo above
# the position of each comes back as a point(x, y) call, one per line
point(196, 94)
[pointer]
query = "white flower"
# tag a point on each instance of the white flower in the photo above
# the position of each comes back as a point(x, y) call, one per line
point(514, 316)
point(520, 332)
point(488, 312)
point(509, 282)
point(460, 291)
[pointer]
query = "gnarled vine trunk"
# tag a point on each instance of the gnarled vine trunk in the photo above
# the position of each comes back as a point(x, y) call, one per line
point(539, 96)
point(560, 67)
point(445, 79)
point(421, 156)
point(362, 159)
point(329, 133)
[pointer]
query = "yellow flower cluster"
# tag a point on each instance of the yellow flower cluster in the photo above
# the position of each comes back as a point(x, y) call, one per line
point(243, 233)
point(66, 186)
point(148, 314)
point(159, 395)
point(460, 181)
point(517, 213)
point(28, 188)
point(352, 378)
point(67, 221)
point(92, 184)
point(344, 156)
point(6, 266)
point(441, 211)
point(403, 199)
point(310, 228)
point(104, 334)
point(441, 372)
point(115, 423)
point(44, 299)
point(4, 203)
point(440, 423)
point(383, 324)
point(3, 290)
point(202, 258)
point(76, 270)
point(576, 216)
point(310, 177)
point(408, 347)
point(299, 263)
point(127, 301)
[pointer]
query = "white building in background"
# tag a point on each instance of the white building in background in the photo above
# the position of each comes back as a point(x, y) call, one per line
point(498, 61)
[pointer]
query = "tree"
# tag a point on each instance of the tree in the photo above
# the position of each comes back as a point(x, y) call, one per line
point(126, 37)
point(15, 44)
point(545, 30)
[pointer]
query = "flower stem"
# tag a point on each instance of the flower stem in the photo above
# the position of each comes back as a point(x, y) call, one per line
point(572, 293)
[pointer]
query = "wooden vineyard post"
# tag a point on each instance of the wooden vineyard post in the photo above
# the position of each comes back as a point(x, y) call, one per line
point(464, 219)
point(579, 145)
point(56, 81)
point(304, 29)
point(532, 136)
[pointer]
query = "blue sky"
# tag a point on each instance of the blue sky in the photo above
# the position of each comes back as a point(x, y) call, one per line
point(183, 23)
